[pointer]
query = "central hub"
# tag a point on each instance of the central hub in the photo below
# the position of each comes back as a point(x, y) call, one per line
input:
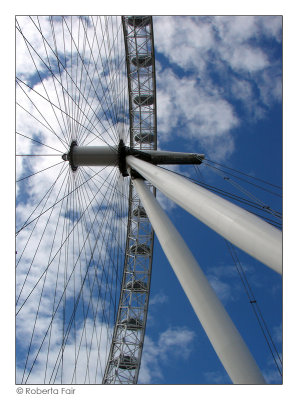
point(97, 156)
point(122, 153)
point(115, 156)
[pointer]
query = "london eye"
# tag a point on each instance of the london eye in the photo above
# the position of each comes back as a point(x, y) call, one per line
point(88, 166)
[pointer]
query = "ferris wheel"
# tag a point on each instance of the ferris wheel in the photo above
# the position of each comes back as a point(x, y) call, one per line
point(87, 173)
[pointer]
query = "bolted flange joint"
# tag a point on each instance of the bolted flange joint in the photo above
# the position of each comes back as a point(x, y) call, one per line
point(122, 153)
point(69, 156)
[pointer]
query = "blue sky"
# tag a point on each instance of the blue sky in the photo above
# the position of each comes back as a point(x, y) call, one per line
point(218, 93)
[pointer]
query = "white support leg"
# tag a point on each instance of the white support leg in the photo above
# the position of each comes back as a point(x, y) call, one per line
point(246, 231)
point(222, 333)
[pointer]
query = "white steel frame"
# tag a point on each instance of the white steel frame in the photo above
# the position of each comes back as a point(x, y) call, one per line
point(222, 333)
point(246, 231)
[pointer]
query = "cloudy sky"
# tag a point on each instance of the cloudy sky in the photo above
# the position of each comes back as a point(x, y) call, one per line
point(219, 92)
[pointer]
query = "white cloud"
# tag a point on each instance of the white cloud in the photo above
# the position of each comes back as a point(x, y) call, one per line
point(150, 366)
point(235, 29)
point(183, 40)
point(198, 114)
point(271, 26)
point(272, 376)
point(223, 290)
point(176, 339)
point(44, 271)
point(220, 59)
point(166, 203)
point(158, 298)
point(226, 282)
point(215, 377)
point(173, 343)
point(277, 333)
point(82, 352)
point(273, 369)
point(247, 58)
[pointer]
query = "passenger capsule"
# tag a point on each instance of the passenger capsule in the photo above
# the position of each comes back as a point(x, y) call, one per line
point(144, 137)
point(140, 212)
point(137, 286)
point(126, 362)
point(139, 249)
point(138, 20)
point(142, 61)
point(144, 100)
point(133, 324)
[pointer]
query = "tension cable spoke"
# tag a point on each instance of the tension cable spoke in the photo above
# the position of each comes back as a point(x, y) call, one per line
point(256, 309)
point(242, 173)
point(37, 141)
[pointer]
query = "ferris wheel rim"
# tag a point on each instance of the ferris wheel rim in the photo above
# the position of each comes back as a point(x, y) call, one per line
point(141, 26)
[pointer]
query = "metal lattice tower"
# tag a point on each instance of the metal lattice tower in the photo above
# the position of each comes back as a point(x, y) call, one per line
point(128, 337)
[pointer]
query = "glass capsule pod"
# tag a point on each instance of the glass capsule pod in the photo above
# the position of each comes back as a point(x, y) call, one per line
point(144, 137)
point(133, 324)
point(138, 20)
point(144, 100)
point(140, 249)
point(142, 60)
point(137, 286)
point(126, 362)
point(140, 212)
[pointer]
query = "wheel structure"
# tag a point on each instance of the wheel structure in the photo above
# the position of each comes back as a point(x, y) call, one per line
point(83, 243)
point(128, 338)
